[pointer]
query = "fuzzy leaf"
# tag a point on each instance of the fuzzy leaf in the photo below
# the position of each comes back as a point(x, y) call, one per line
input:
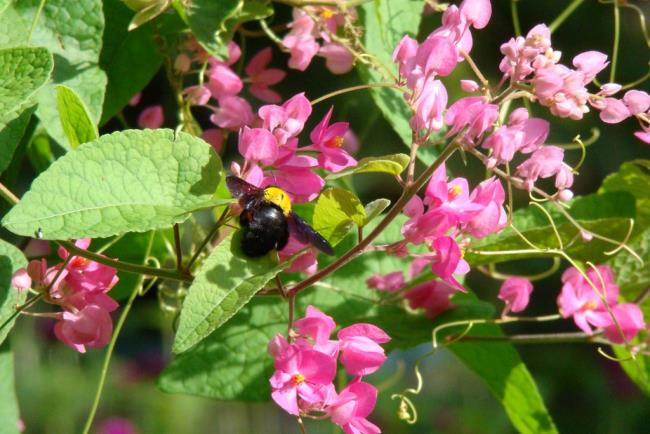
point(375, 208)
point(10, 135)
point(22, 72)
point(9, 414)
point(75, 118)
point(335, 212)
point(127, 181)
point(391, 164)
point(226, 281)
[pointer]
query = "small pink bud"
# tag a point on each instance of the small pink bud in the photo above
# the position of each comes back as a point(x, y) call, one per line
point(21, 280)
point(469, 85)
point(214, 136)
point(135, 99)
point(615, 111)
point(637, 101)
point(586, 236)
point(565, 195)
point(151, 117)
point(182, 63)
point(609, 89)
point(515, 292)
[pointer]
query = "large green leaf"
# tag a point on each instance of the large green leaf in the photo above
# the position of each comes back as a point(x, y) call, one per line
point(9, 415)
point(23, 71)
point(336, 211)
point(127, 181)
point(11, 259)
point(130, 59)
point(501, 368)
point(385, 23)
point(606, 214)
point(226, 281)
point(72, 31)
point(75, 120)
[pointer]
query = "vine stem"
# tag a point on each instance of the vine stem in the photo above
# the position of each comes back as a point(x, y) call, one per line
point(351, 89)
point(8, 195)
point(107, 360)
point(617, 37)
point(408, 193)
point(566, 13)
point(541, 338)
point(177, 248)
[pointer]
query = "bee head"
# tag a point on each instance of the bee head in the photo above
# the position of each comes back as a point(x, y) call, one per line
point(278, 197)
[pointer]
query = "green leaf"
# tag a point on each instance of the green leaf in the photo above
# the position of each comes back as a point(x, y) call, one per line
point(391, 164)
point(385, 23)
point(224, 283)
point(11, 259)
point(606, 214)
point(335, 212)
point(501, 368)
point(148, 13)
point(72, 31)
point(9, 414)
point(22, 72)
point(75, 119)
point(132, 180)
point(633, 177)
point(10, 136)
point(131, 54)
point(375, 208)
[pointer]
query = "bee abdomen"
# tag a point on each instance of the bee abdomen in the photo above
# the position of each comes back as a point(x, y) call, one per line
point(266, 229)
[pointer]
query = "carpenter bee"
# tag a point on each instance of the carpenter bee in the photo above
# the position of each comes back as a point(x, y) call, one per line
point(267, 220)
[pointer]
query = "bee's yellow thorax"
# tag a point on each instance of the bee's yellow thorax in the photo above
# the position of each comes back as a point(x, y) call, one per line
point(278, 197)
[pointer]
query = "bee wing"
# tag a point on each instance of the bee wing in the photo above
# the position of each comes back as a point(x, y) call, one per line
point(306, 234)
point(240, 188)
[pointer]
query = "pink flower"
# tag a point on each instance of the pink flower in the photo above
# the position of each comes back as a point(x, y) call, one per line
point(450, 198)
point(151, 117)
point(302, 184)
point(135, 99)
point(644, 136)
point(637, 101)
point(328, 140)
point(351, 407)
point(614, 111)
point(474, 113)
point(302, 378)
point(477, 12)
point(261, 77)
point(315, 325)
point(361, 353)
point(223, 81)
point(543, 163)
point(302, 48)
point(337, 58)
point(493, 217)
point(436, 56)
point(306, 262)
point(389, 282)
point(233, 113)
point(92, 326)
point(448, 261)
point(469, 86)
point(182, 63)
point(86, 276)
point(433, 297)
point(288, 120)
point(258, 144)
point(116, 425)
point(579, 300)
point(630, 320)
point(404, 55)
point(430, 105)
point(197, 95)
point(590, 63)
point(21, 279)
point(515, 292)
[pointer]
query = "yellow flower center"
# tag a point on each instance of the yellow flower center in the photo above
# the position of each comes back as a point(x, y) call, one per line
point(298, 378)
point(590, 305)
point(336, 142)
point(454, 191)
point(327, 13)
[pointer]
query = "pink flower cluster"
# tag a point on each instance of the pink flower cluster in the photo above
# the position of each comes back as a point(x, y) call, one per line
point(81, 291)
point(595, 303)
point(305, 368)
point(311, 24)
point(634, 103)
point(515, 293)
point(421, 64)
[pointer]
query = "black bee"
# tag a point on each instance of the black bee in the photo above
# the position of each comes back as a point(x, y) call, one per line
point(267, 220)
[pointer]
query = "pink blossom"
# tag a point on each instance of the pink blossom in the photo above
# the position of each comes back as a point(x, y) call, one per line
point(306, 262)
point(477, 12)
point(328, 140)
point(223, 81)
point(116, 425)
point(448, 261)
point(614, 111)
point(469, 86)
point(450, 198)
point(302, 184)
point(85, 275)
point(522, 134)
point(182, 63)
point(389, 282)
point(361, 353)
point(151, 117)
point(492, 217)
point(21, 279)
point(515, 292)
point(609, 89)
point(135, 99)
point(455, 28)
point(644, 136)
point(288, 120)
point(197, 95)
point(233, 113)
point(430, 105)
point(590, 63)
point(338, 59)
point(315, 325)
point(262, 77)
point(302, 48)
point(433, 297)
point(474, 113)
point(630, 320)
point(520, 53)
point(91, 326)
point(637, 101)
point(579, 300)
point(543, 163)
point(258, 144)
point(404, 55)
point(436, 56)
point(234, 53)
point(302, 378)
point(351, 407)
